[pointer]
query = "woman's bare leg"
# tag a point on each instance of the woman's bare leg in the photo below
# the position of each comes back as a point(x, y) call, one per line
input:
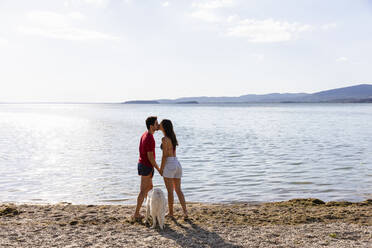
point(169, 185)
point(181, 197)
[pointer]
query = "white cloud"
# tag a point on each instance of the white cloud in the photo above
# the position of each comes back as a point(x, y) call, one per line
point(266, 30)
point(68, 33)
point(253, 30)
point(61, 26)
point(94, 3)
point(329, 26)
point(342, 59)
point(165, 4)
point(213, 4)
point(53, 19)
point(205, 15)
point(205, 10)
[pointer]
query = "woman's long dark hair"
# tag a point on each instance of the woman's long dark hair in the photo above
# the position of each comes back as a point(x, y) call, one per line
point(168, 129)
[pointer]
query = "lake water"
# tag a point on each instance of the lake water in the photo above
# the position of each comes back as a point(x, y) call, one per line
point(88, 153)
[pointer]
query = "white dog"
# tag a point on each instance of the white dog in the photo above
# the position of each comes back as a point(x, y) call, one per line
point(156, 206)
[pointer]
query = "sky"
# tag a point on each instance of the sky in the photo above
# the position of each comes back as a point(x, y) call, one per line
point(118, 50)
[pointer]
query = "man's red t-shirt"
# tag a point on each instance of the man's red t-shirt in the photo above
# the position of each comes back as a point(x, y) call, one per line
point(147, 144)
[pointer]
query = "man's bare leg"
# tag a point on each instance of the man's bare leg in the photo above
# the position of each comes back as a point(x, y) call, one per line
point(146, 186)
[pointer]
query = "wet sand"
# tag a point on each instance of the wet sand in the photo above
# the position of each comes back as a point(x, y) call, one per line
point(294, 223)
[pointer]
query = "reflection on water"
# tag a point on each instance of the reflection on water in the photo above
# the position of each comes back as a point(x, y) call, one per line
point(88, 153)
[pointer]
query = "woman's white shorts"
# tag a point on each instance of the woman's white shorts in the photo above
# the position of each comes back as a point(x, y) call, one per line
point(172, 168)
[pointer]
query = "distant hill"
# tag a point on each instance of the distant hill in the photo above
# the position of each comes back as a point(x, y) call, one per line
point(276, 97)
point(362, 91)
point(357, 93)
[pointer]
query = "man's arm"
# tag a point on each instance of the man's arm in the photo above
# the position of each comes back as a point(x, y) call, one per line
point(163, 159)
point(150, 156)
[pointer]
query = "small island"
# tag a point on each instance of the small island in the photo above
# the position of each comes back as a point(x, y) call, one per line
point(188, 102)
point(141, 102)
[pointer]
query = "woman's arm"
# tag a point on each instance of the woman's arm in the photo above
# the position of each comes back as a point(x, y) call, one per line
point(165, 144)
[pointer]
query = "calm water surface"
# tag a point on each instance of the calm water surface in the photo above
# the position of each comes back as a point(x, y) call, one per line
point(88, 153)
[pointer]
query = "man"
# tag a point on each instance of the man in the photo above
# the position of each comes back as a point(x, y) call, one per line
point(146, 163)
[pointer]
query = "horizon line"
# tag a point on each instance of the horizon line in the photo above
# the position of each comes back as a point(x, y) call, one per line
point(160, 99)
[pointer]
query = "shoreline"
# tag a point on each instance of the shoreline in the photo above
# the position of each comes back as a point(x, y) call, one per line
point(366, 197)
point(294, 223)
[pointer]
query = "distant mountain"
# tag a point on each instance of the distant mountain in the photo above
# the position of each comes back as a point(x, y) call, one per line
point(361, 91)
point(276, 97)
point(357, 93)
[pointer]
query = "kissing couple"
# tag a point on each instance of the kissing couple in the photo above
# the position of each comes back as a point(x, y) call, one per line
point(170, 168)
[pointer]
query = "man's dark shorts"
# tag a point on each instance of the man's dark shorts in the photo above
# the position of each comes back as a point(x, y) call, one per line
point(144, 170)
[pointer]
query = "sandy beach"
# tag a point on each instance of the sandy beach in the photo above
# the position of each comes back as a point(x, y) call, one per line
point(294, 223)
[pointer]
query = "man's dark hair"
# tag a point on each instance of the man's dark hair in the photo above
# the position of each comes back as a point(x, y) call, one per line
point(150, 121)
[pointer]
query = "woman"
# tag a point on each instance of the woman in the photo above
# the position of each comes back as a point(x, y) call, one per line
point(170, 168)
